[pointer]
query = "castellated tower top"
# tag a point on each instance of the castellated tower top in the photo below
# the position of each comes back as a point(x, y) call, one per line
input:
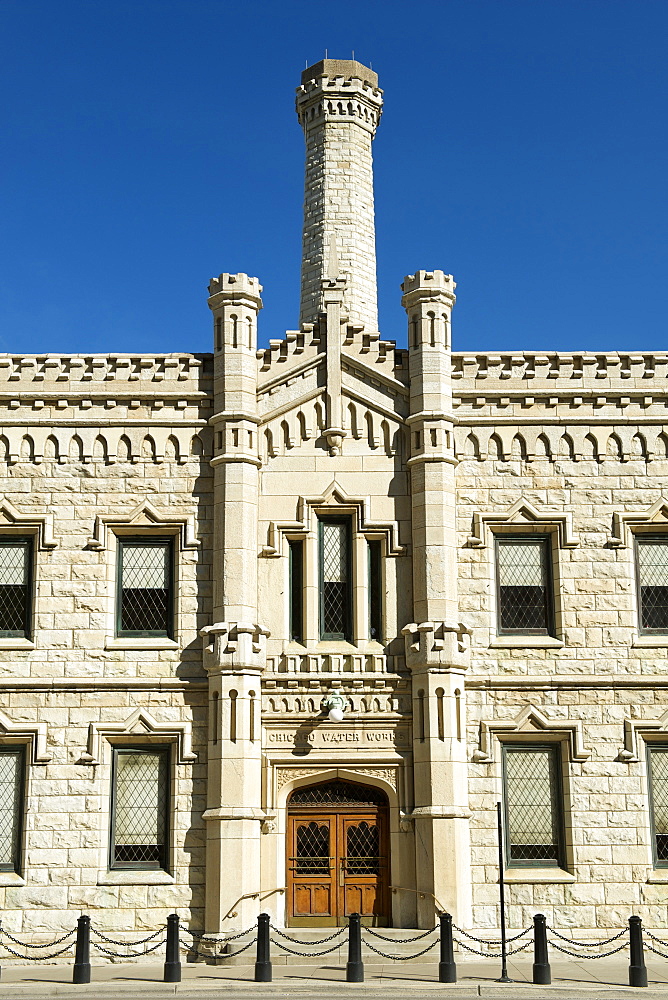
point(339, 107)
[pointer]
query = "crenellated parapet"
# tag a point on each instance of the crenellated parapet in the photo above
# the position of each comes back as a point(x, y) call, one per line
point(337, 89)
point(546, 370)
point(97, 372)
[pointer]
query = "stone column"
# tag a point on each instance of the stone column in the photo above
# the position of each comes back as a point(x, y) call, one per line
point(235, 654)
point(436, 643)
point(339, 106)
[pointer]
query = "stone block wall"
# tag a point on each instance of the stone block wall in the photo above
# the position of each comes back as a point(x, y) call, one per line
point(91, 447)
point(577, 459)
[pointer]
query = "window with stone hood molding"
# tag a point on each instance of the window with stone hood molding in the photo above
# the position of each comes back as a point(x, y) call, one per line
point(533, 801)
point(140, 808)
point(16, 555)
point(335, 578)
point(524, 585)
point(12, 770)
point(145, 599)
point(652, 577)
point(657, 770)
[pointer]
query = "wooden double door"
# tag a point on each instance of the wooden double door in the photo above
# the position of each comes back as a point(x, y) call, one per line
point(338, 865)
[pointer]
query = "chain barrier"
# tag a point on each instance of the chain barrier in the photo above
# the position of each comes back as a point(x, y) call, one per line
point(400, 958)
point(307, 954)
point(487, 954)
point(125, 944)
point(337, 933)
point(38, 958)
point(654, 937)
point(588, 944)
point(200, 936)
point(509, 940)
point(661, 954)
point(581, 955)
point(418, 937)
point(133, 954)
point(192, 949)
point(48, 944)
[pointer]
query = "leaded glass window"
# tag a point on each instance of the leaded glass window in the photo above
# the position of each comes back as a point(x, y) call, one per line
point(652, 568)
point(140, 808)
point(533, 805)
point(375, 591)
point(335, 588)
point(657, 758)
point(15, 587)
point(524, 585)
point(12, 766)
point(145, 588)
point(296, 591)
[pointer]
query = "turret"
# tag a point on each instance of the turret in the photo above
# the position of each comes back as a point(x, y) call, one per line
point(339, 107)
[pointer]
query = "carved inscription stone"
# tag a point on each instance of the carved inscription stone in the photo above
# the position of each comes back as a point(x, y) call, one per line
point(348, 737)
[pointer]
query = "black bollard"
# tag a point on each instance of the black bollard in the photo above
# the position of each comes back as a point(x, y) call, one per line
point(542, 974)
point(263, 958)
point(637, 970)
point(355, 966)
point(447, 970)
point(172, 972)
point(81, 970)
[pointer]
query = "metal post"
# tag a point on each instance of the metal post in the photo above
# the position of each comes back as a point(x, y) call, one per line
point(263, 958)
point(542, 974)
point(504, 968)
point(637, 970)
point(172, 973)
point(355, 966)
point(447, 970)
point(81, 970)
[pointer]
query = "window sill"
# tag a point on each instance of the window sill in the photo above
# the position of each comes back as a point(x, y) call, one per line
point(520, 876)
point(651, 641)
point(134, 878)
point(11, 879)
point(17, 644)
point(140, 643)
point(526, 642)
point(658, 876)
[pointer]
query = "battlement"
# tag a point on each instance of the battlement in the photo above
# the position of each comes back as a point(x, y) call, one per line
point(431, 281)
point(339, 72)
point(235, 286)
point(596, 371)
point(62, 372)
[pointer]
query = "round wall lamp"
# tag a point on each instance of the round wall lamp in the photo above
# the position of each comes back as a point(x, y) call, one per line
point(335, 705)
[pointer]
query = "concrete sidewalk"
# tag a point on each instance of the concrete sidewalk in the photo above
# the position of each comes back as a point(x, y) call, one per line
point(476, 978)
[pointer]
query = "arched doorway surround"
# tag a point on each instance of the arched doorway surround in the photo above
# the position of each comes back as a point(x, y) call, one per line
point(337, 854)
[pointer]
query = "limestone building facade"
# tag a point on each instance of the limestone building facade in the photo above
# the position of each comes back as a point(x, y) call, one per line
point(280, 627)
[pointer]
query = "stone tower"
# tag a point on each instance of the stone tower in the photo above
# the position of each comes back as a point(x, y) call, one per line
point(339, 107)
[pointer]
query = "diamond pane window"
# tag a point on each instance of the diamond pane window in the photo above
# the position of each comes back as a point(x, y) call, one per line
point(145, 589)
point(313, 856)
point(532, 793)
point(335, 589)
point(15, 576)
point(524, 586)
point(11, 807)
point(140, 808)
point(657, 758)
point(652, 567)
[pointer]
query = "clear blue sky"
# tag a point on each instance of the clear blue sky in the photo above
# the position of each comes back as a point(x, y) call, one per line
point(148, 145)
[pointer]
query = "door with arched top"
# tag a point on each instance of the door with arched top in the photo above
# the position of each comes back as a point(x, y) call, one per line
point(338, 860)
